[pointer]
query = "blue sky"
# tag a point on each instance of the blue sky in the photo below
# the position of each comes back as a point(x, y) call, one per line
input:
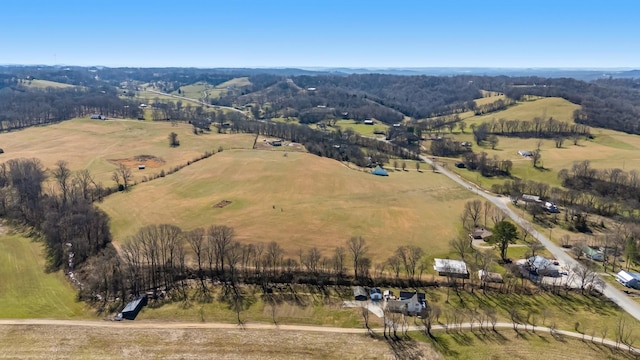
point(328, 33)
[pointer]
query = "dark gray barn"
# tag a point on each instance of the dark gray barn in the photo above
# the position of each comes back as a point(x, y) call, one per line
point(133, 308)
point(359, 293)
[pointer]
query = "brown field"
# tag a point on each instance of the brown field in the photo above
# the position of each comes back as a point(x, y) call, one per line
point(68, 342)
point(300, 201)
point(99, 145)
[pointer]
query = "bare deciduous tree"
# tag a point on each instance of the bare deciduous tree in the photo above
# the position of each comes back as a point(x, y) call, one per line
point(358, 248)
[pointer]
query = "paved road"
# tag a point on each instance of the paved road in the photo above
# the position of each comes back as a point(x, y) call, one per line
point(617, 296)
point(251, 326)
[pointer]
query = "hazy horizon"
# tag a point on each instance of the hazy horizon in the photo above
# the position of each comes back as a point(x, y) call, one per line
point(322, 34)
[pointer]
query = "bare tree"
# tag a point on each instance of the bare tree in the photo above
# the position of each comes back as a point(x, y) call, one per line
point(584, 275)
point(462, 246)
point(122, 176)
point(195, 239)
point(358, 248)
point(338, 261)
point(473, 211)
point(220, 237)
point(173, 140)
point(396, 264)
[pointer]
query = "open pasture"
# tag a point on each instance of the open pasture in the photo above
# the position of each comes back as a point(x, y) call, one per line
point(99, 145)
point(299, 200)
point(361, 128)
point(26, 290)
point(43, 84)
point(557, 108)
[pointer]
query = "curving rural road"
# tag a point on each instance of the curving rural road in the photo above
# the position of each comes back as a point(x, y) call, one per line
point(615, 295)
point(257, 326)
point(196, 101)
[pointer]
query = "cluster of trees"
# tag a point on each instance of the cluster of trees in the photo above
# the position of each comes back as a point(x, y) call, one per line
point(494, 106)
point(65, 216)
point(487, 166)
point(536, 128)
point(20, 107)
point(610, 184)
point(448, 147)
point(340, 145)
point(608, 103)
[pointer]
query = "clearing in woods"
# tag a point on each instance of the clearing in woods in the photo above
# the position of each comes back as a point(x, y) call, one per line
point(95, 144)
point(26, 290)
point(299, 200)
point(43, 84)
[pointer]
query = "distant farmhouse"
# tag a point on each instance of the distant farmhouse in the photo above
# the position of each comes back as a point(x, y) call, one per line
point(98, 117)
point(480, 233)
point(410, 306)
point(541, 266)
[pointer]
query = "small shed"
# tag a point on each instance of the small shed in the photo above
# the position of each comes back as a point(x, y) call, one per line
point(531, 198)
point(453, 268)
point(490, 277)
point(141, 167)
point(133, 308)
point(368, 122)
point(380, 171)
point(359, 294)
point(480, 233)
point(629, 279)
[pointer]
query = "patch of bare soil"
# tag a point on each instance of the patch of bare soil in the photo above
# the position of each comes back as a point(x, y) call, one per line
point(149, 161)
point(222, 204)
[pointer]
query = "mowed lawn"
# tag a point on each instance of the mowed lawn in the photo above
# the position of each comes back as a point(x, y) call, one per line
point(26, 290)
point(300, 201)
point(91, 144)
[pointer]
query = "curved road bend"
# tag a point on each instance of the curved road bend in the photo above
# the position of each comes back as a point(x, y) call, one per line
point(615, 295)
point(257, 326)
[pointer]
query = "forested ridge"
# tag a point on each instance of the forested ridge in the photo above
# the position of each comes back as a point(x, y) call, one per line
point(315, 96)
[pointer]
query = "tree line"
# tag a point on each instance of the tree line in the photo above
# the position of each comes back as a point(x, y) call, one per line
point(63, 217)
point(21, 107)
point(536, 128)
point(340, 145)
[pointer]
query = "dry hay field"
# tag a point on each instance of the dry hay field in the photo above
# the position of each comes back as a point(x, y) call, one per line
point(299, 200)
point(100, 146)
point(608, 149)
point(70, 342)
point(505, 345)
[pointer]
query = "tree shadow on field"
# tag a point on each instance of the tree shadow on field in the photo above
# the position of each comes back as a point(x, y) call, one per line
point(405, 348)
point(442, 345)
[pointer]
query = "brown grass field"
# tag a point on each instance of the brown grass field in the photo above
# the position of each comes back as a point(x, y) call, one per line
point(67, 342)
point(608, 149)
point(97, 145)
point(300, 201)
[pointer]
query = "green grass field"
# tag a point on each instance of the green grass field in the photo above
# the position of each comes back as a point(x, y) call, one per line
point(26, 290)
point(557, 108)
point(91, 144)
point(300, 201)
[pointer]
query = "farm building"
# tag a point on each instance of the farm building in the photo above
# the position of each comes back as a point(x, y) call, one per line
point(375, 294)
point(530, 198)
point(480, 233)
point(368, 122)
point(542, 266)
point(405, 295)
point(133, 308)
point(359, 294)
point(551, 207)
point(411, 306)
point(380, 171)
point(388, 294)
point(489, 276)
point(590, 253)
point(454, 268)
point(525, 153)
point(98, 117)
point(629, 279)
